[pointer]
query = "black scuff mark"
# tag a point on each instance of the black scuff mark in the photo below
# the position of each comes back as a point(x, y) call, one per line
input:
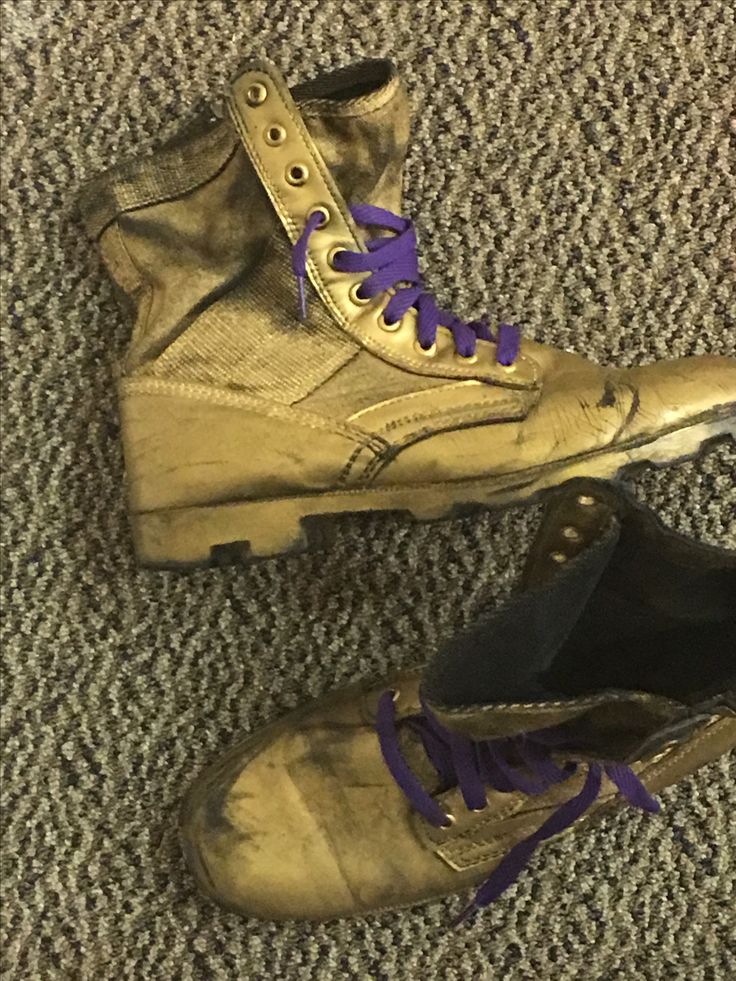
point(216, 822)
point(609, 396)
point(634, 408)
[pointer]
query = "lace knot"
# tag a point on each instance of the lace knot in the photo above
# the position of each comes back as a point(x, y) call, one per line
point(515, 764)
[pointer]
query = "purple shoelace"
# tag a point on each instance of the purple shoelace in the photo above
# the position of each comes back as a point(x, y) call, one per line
point(392, 262)
point(518, 763)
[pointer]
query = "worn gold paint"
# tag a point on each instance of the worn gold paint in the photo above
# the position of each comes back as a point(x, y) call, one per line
point(229, 432)
point(303, 820)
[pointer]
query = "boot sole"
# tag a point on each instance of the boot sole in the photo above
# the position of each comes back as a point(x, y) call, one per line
point(237, 532)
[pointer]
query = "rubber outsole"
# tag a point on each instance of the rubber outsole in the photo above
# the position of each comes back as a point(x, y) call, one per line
point(244, 531)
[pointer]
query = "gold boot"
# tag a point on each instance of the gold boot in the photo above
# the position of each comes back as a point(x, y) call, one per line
point(240, 419)
point(608, 677)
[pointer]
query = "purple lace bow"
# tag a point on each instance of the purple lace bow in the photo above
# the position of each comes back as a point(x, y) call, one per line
point(519, 763)
point(393, 263)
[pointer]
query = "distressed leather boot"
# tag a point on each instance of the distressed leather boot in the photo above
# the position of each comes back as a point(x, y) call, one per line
point(609, 676)
point(252, 402)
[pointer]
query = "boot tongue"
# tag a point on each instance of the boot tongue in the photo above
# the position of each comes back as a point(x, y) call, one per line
point(502, 659)
point(569, 649)
point(359, 120)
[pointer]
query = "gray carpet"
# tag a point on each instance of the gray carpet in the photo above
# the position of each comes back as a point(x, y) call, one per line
point(570, 169)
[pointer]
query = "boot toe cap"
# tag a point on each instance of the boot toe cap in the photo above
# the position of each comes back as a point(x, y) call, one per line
point(254, 842)
point(687, 388)
point(694, 399)
point(302, 821)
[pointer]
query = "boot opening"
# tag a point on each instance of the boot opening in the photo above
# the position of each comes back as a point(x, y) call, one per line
point(641, 609)
point(661, 620)
point(347, 84)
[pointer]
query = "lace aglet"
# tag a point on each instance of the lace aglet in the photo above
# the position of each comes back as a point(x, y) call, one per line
point(301, 298)
point(464, 915)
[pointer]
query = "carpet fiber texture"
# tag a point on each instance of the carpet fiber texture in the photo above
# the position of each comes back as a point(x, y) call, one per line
point(570, 170)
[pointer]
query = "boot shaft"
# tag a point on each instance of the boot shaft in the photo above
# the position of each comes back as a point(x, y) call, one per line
point(623, 631)
point(190, 224)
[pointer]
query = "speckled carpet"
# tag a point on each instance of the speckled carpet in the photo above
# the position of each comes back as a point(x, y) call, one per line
point(570, 169)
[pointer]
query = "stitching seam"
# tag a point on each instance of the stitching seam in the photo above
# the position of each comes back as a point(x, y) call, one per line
point(154, 386)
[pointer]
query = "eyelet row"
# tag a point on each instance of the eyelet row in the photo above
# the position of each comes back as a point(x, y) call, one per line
point(450, 818)
point(570, 533)
point(297, 175)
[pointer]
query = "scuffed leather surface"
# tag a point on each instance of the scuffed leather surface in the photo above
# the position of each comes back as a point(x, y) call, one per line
point(120, 684)
point(305, 821)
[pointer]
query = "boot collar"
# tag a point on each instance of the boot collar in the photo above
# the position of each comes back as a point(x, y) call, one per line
point(566, 587)
point(354, 90)
point(358, 116)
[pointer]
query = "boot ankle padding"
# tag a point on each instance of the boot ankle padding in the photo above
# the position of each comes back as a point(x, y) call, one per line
point(638, 609)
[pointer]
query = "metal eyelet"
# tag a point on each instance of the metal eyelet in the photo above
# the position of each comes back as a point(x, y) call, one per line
point(558, 557)
point(508, 368)
point(571, 533)
point(586, 501)
point(297, 174)
point(466, 358)
point(335, 251)
point(256, 94)
point(396, 694)
point(427, 352)
point(479, 810)
point(384, 325)
point(354, 295)
point(275, 135)
point(450, 819)
point(320, 209)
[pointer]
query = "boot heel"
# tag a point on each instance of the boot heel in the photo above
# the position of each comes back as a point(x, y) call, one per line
point(216, 534)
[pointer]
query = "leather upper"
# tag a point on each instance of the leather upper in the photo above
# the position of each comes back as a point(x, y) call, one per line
point(199, 237)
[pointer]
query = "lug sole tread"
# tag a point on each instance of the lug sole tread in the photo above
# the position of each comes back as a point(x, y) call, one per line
point(306, 528)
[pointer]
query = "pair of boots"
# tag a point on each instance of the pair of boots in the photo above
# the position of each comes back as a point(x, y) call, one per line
point(255, 404)
point(610, 675)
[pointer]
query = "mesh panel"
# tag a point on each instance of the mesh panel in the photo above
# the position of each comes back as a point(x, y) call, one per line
point(252, 340)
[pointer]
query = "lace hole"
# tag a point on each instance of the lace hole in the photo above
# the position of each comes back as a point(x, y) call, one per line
point(508, 368)
point(571, 533)
point(586, 501)
point(297, 174)
point(332, 255)
point(558, 557)
point(385, 325)
point(320, 210)
point(450, 819)
point(396, 694)
point(275, 135)
point(256, 94)
point(427, 352)
point(356, 296)
point(479, 810)
point(466, 358)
